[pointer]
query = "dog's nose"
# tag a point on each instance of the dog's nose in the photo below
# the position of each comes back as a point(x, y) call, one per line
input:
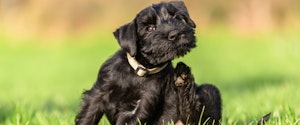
point(173, 35)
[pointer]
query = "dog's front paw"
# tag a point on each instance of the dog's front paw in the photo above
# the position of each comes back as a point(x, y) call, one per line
point(182, 74)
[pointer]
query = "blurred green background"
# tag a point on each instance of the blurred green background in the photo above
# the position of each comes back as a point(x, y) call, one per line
point(51, 50)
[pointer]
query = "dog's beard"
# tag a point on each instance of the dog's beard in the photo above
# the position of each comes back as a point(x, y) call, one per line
point(163, 50)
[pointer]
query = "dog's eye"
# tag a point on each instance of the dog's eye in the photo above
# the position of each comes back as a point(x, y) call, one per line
point(151, 28)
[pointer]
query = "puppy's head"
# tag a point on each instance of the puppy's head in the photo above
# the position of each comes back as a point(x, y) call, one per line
point(159, 33)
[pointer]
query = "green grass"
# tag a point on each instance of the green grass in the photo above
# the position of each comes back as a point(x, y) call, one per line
point(41, 83)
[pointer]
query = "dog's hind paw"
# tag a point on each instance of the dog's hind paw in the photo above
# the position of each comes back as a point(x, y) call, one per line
point(182, 74)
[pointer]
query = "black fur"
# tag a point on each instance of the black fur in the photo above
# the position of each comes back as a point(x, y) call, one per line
point(156, 36)
point(196, 103)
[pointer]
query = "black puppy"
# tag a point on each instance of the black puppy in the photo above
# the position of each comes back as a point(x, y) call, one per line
point(137, 83)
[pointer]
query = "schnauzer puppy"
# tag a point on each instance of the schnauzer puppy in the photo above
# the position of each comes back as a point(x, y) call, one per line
point(136, 85)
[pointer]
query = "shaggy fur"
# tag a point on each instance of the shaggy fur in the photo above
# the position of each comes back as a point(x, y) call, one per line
point(196, 103)
point(156, 36)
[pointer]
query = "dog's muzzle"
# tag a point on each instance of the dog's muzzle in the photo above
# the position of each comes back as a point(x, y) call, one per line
point(140, 70)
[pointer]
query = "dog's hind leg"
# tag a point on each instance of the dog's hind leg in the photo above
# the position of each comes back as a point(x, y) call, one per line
point(196, 103)
point(90, 113)
point(186, 94)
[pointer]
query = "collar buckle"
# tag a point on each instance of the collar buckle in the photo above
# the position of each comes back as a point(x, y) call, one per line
point(141, 71)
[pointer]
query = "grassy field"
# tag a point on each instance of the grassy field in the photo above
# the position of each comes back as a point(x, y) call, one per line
point(41, 83)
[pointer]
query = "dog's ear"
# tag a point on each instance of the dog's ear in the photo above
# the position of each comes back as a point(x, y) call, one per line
point(127, 38)
point(182, 11)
